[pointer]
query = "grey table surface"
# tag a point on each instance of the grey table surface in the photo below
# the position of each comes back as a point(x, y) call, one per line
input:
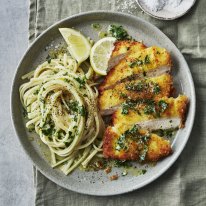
point(16, 180)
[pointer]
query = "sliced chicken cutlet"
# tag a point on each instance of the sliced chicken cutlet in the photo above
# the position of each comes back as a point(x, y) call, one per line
point(138, 63)
point(134, 144)
point(122, 49)
point(164, 113)
point(147, 88)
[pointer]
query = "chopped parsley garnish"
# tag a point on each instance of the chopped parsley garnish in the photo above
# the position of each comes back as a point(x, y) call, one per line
point(25, 114)
point(96, 26)
point(144, 171)
point(122, 163)
point(31, 129)
point(82, 111)
point(150, 108)
point(147, 60)
point(80, 81)
point(36, 92)
point(67, 144)
point(42, 100)
point(156, 89)
point(135, 63)
point(139, 62)
point(136, 87)
point(126, 106)
point(122, 140)
point(65, 74)
point(135, 135)
point(121, 143)
point(143, 153)
point(162, 105)
point(73, 106)
point(75, 118)
point(48, 129)
point(168, 133)
point(132, 131)
point(119, 32)
point(123, 95)
point(66, 80)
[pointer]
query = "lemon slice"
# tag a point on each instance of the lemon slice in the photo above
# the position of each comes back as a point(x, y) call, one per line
point(100, 54)
point(78, 45)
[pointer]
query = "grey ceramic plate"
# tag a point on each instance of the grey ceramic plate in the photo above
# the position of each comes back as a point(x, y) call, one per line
point(98, 183)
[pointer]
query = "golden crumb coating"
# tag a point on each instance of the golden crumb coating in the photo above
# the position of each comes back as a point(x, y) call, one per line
point(139, 61)
point(126, 46)
point(157, 147)
point(173, 107)
point(147, 88)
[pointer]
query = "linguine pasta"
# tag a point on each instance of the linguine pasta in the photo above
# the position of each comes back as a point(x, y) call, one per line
point(60, 100)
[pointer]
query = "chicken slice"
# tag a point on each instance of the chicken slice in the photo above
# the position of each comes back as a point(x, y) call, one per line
point(138, 63)
point(134, 144)
point(147, 88)
point(163, 113)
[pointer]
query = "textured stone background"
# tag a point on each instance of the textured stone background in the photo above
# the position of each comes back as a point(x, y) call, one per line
point(16, 180)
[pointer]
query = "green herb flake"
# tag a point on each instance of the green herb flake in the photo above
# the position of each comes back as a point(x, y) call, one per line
point(66, 144)
point(122, 140)
point(73, 106)
point(156, 89)
point(25, 114)
point(65, 74)
point(149, 109)
point(80, 81)
point(47, 129)
point(121, 143)
point(167, 133)
point(126, 106)
point(122, 163)
point(119, 32)
point(36, 92)
point(42, 100)
point(135, 63)
point(123, 95)
point(96, 26)
point(162, 105)
point(66, 80)
point(82, 111)
point(135, 87)
point(133, 131)
point(31, 129)
point(143, 153)
point(147, 59)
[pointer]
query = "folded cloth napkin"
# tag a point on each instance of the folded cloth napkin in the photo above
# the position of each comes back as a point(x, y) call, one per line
point(185, 182)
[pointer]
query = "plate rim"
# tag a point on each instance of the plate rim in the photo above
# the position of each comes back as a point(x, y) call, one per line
point(154, 177)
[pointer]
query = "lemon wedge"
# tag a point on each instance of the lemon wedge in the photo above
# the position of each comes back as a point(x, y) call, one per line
point(78, 45)
point(100, 54)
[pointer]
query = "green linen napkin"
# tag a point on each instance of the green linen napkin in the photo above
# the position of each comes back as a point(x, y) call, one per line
point(185, 182)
